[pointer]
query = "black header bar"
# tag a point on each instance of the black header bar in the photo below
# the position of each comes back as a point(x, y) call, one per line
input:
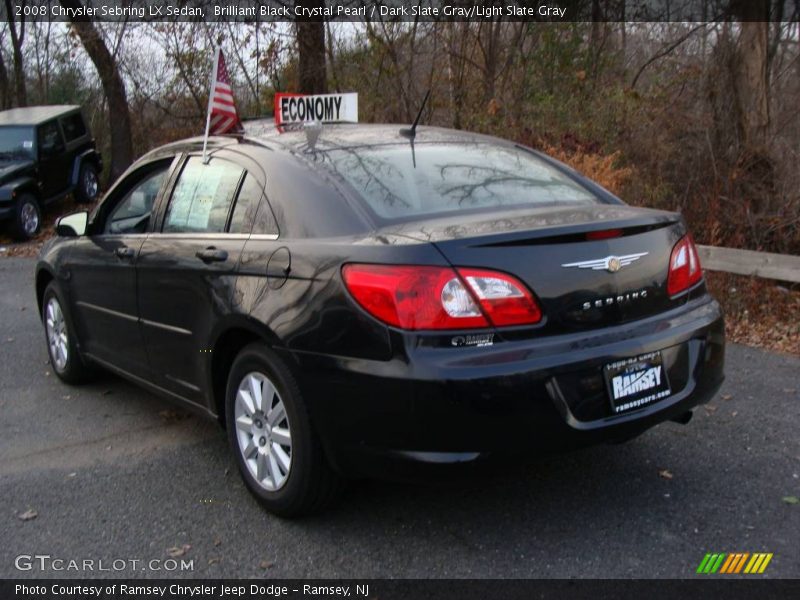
point(265, 11)
point(708, 588)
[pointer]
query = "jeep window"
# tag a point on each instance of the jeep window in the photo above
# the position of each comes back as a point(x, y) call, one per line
point(73, 127)
point(16, 143)
point(202, 197)
point(132, 214)
point(50, 142)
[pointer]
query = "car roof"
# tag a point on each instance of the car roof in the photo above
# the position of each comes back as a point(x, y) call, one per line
point(300, 184)
point(262, 134)
point(359, 134)
point(34, 115)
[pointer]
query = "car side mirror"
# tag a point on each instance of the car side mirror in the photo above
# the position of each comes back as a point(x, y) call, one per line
point(73, 225)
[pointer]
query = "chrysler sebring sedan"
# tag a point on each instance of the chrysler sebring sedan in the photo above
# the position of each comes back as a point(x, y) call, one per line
point(360, 302)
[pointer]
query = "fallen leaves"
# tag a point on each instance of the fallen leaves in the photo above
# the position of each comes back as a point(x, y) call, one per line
point(177, 551)
point(31, 248)
point(28, 515)
point(760, 314)
point(265, 564)
point(665, 474)
point(791, 499)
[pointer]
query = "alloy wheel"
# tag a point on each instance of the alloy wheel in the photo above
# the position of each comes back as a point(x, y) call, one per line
point(57, 340)
point(263, 431)
point(30, 218)
point(90, 184)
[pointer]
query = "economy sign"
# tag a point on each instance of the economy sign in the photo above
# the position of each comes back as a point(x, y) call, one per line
point(321, 108)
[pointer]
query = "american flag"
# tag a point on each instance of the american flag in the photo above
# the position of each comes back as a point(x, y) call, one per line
point(222, 109)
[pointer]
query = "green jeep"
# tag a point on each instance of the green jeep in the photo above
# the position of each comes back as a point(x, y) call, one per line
point(46, 152)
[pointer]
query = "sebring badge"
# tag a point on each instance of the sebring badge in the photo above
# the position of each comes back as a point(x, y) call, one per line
point(612, 264)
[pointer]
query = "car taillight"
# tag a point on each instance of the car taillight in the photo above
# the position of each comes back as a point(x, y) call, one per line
point(684, 266)
point(422, 297)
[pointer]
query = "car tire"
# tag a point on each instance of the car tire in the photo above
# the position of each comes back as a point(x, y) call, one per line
point(62, 346)
point(288, 484)
point(88, 184)
point(27, 217)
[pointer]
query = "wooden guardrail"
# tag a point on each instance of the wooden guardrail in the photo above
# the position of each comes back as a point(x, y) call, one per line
point(747, 262)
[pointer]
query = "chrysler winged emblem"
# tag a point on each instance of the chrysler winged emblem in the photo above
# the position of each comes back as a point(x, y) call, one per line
point(612, 263)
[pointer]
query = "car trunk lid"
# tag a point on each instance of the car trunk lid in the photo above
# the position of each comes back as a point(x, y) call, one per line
point(589, 266)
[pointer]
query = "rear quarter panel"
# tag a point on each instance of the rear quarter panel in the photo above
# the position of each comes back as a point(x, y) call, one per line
point(310, 310)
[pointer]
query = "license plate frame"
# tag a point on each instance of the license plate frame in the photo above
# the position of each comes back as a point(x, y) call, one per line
point(636, 382)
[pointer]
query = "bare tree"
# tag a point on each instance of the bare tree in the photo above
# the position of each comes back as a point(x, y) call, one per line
point(751, 73)
point(311, 51)
point(17, 39)
point(5, 86)
point(43, 58)
point(113, 88)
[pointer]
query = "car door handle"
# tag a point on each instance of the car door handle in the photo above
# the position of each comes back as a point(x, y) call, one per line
point(212, 255)
point(125, 252)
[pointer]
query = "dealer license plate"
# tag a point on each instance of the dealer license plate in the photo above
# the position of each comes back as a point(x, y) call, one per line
point(636, 382)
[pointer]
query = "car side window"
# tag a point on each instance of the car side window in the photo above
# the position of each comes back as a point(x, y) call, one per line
point(132, 213)
point(50, 142)
point(73, 126)
point(246, 207)
point(202, 197)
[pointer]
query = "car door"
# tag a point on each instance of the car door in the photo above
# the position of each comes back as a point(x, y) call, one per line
point(54, 163)
point(102, 270)
point(187, 271)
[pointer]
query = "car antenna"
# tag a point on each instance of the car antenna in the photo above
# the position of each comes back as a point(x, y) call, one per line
point(410, 133)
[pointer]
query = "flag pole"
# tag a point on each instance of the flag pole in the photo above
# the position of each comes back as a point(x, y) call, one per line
point(210, 101)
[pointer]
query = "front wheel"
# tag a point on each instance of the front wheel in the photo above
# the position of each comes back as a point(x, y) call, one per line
point(27, 218)
point(270, 433)
point(62, 346)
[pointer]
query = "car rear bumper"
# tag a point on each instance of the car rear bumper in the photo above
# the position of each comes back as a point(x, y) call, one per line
point(453, 405)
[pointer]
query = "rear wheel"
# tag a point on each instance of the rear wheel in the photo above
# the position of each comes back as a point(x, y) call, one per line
point(61, 343)
point(270, 434)
point(27, 218)
point(88, 184)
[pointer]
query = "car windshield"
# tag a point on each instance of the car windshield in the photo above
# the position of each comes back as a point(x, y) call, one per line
point(442, 178)
point(16, 143)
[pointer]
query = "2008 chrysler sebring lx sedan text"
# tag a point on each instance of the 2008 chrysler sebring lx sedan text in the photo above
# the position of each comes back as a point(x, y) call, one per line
point(367, 299)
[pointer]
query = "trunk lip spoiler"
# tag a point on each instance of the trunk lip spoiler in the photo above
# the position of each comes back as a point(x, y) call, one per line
point(545, 234)
point(570, 234)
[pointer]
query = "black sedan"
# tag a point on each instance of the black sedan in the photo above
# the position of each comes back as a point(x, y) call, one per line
point(360, 301)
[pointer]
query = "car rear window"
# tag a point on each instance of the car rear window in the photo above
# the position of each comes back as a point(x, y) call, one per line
point(398, 184)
